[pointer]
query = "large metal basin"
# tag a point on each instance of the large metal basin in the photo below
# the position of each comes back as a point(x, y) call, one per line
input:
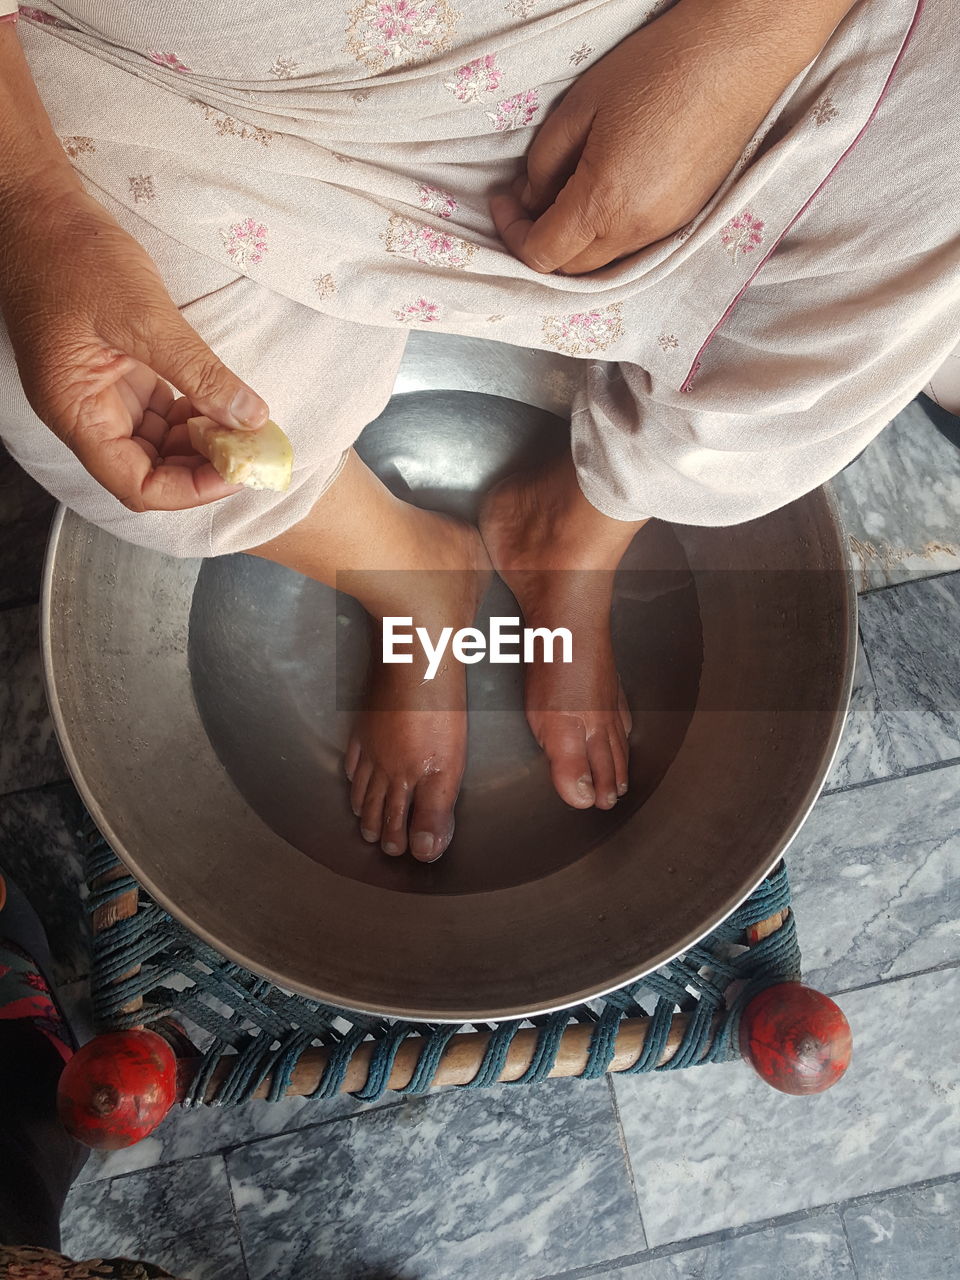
point(202, 708)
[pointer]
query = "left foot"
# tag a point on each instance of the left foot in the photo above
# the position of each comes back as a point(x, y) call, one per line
point(558, 555)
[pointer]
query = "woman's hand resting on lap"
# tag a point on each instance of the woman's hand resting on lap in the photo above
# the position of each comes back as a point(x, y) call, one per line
point(95, 335)
point(642, 140)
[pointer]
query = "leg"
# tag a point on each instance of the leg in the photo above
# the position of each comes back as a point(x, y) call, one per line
point(408, 748)
point(558, 554)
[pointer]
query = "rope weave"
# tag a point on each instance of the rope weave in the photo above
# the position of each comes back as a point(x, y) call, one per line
point(261, 1031)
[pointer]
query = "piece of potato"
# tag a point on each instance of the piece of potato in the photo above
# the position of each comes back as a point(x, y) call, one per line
point(258, 459)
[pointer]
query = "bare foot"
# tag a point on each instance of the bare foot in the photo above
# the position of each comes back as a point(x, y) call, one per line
point(407, 749)
point(558, 556)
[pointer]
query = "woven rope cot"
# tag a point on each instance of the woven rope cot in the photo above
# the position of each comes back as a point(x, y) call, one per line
point(237, 1036)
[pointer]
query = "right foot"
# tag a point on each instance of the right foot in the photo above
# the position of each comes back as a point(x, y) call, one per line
point(407, 749)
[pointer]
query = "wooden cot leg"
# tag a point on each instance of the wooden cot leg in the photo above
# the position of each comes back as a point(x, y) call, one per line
point(795, 1038)
point(119, 1086)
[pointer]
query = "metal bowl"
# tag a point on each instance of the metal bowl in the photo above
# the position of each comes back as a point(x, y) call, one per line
point(203, 707)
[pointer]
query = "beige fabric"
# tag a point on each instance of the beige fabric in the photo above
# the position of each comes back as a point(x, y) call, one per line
point(334, 176)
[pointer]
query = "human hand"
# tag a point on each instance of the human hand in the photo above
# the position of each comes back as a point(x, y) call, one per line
point(97, 338)
point(641, 141)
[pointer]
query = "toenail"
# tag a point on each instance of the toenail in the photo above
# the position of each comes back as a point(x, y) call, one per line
point(585, 786)
point(621, 788)
point(370, 836)
point(611, 797)
point(390, 847)
point(422, 844)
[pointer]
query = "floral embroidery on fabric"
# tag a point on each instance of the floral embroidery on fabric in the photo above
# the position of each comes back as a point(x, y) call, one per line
point(521, 8)
point(283, 68)
point(169, 60)
point(742, 234)
point(141, 187)
point(684, 233)
point(78, 146)
point(45, 19)
point(432, 248)
point(419, 312)
point(580, 55)
point(515, 112)
point(228, 127)
point(325, 285)
point(668, 341)
point(824, 111)
point(475, 80)
point(494, 319)
point(361, 95)
point(394, 33)
point(246, 242)
point(442, 203)
point(584, 332)
point(342, 159)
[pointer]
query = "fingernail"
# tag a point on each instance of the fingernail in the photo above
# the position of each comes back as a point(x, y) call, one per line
point(621, 788)
point(370, 836)
point(422, 844)
point(247, 409)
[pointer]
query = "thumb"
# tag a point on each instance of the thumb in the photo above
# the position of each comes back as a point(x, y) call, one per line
point(178, 353)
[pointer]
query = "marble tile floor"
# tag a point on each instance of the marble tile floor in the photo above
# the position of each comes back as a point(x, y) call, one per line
point(691, 1175)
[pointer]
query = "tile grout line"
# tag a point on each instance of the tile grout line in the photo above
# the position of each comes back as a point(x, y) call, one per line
point(907, 582)
point(625, 1149)
point(912, 772)
point(236, 1216)
point(674, 1248)
point(945, 967)
point(879, 697)
point(847, 1241)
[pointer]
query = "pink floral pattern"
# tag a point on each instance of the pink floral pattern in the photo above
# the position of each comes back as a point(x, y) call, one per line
point(169, 60)
point(516, 112)
point(668, 341)
point(824, 111)
point(742, 234)
point(420, 312)
point(585, 332)
point(142, 188)
point(246, 242)
point(425, 245)
point(395, 33)
point(441, 203)
point(78, 146)
point(45, 19)
point(475, 80)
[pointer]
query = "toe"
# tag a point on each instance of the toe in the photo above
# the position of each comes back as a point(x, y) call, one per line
point(431, 825)
point(371, 815)
point(352, 758)
point(602, 769)
point(623, 706)
point(564, 740)
point(621, 758)
point(358, 787)
point(395, 810)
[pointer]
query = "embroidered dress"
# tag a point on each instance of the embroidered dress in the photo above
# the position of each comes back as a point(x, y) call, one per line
point(312, 181)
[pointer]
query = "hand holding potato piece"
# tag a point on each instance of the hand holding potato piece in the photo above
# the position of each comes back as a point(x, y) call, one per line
point(261, 459)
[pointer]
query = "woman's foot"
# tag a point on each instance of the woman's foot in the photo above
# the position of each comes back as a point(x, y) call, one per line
point(558, 556)
point(407, 749)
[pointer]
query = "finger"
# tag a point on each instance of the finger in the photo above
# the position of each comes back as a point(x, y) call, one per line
point(175, 351)
point(171, 487)
point(180, 411)
point(556, 237)
point(601, 253)
point(553, 157)
point(566, 229)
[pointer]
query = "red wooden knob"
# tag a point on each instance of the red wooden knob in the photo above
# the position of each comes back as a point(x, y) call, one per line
point(117, 1088)
point(796, 1038)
